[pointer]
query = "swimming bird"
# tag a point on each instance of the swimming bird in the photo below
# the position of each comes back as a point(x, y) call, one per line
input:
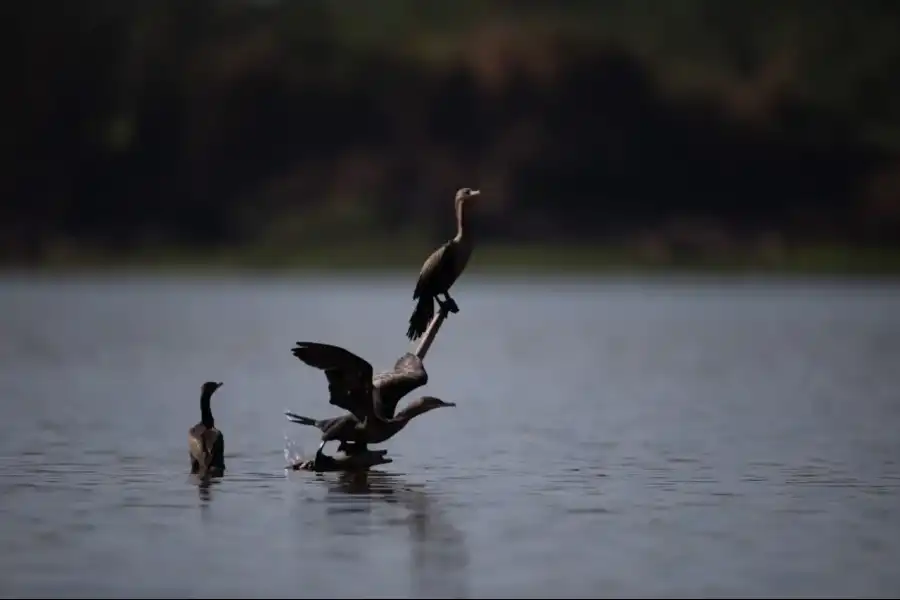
point(205, 442)
point(371, 400)
point(442, 269)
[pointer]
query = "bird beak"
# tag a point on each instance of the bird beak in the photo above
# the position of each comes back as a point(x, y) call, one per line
point(475, 192)
point(449, 404)
point(220, 384)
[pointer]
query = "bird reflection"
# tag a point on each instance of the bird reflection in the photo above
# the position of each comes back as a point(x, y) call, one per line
point(204, 489)
point(439, 557)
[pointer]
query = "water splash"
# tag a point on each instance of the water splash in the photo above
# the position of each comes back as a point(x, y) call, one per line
point(293, 451)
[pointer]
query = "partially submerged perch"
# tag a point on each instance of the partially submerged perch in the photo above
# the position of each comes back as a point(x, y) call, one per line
point(432, 331)
point(361, 461)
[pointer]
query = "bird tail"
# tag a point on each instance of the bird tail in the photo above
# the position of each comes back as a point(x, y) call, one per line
point(421, 317)
point(300, 419)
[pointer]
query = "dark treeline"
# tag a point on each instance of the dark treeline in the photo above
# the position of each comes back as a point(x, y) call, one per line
point(211, 123)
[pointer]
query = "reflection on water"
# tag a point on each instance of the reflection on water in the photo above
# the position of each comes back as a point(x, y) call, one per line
point(437, 551)
point(204, 489)
point(628, 438)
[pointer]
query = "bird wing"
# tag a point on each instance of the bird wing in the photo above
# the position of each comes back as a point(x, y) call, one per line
point(214, 442)
point(434, 264)
point(349, 376)
point(408, 374)
point(195, 443)
point(205, 444)
point(340, 428)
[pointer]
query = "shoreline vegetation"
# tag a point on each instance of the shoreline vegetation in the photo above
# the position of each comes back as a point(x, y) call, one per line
point(494, 259)
point(702, 135)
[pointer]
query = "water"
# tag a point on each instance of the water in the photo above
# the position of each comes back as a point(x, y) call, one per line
point(625, 437)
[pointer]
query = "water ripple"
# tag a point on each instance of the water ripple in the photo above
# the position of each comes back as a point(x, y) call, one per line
point(690, 441)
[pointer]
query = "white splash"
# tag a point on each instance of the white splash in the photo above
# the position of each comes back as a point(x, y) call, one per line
point(293, 451)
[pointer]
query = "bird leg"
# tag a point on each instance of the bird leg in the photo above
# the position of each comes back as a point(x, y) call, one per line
point(448, 303)
point(352, 448)
point(319, 455)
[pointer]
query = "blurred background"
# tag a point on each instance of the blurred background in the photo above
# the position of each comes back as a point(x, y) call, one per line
point(617, 433)
point(602, 132)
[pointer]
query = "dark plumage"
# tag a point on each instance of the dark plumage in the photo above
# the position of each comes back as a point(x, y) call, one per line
point(370, 400)
point(350, 384)
point(349, 430)
point(441, 270)
point(205, 442)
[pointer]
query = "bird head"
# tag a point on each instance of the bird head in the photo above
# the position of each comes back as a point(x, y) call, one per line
point(430, 403)
point(466, 193)
point(210, 387)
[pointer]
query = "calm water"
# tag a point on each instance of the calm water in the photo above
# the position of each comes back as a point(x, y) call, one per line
point(625, 437)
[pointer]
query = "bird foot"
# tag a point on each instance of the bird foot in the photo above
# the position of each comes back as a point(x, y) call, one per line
point(351, 448)
point(316, 464)
point(449, 304)
point(358, 462)
point(318, 461)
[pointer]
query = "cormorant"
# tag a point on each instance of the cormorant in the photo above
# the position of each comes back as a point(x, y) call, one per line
point(205, 442)
point(442, 269)
point(371, 400)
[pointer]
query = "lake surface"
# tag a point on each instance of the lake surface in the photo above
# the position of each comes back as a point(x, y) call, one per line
point(613, 437)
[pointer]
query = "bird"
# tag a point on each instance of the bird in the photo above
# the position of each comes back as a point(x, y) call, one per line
point(441, 270)
point(205, 442)
point(348, 430)
point(371, 400)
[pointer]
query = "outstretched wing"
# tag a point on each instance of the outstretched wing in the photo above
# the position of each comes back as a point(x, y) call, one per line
point(349, 376)
point(408, 374)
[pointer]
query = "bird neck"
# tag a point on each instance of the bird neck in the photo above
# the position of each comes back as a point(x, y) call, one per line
point(206, 416)
point(462, 222)
point(408, 412)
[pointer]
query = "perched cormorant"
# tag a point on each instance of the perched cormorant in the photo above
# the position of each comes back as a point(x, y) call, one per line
point(205, 442)
point(371, 400)
point(442, 269)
